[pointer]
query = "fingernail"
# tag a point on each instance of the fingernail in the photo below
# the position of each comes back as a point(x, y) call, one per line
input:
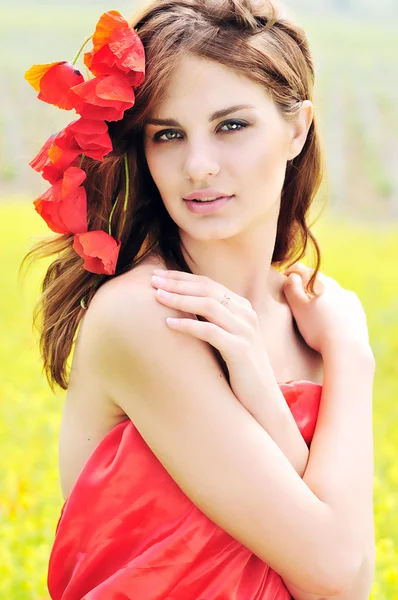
point(172, 322)
point(163, 294)
point(159, 280)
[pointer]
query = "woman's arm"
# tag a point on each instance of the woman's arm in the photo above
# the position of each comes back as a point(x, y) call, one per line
point(344, 417)
point(359, 590)
point(362, 584)
point(340, 464)
point(275, 417)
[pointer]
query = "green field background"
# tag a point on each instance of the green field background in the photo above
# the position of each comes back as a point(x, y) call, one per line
point(359, 257)
point(358, 235)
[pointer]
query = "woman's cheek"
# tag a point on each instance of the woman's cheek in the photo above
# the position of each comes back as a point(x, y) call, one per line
point(156, 169)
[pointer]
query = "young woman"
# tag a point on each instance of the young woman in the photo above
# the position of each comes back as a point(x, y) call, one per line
point(194, 462)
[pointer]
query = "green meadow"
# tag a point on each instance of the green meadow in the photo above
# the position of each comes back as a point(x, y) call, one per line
point(361, 258)
point(358, 234)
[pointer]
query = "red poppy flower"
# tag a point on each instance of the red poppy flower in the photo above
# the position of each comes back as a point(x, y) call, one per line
point(62, 158)
point(41, 159)
point(53, 174)
point(64, 149)
point(54, 81)
point(99, 250)
point(104, 98)
point(82, 136)
point(118, 62)
point(42, 163)
point(64, 205)
point(117, 48)
point(91, 136)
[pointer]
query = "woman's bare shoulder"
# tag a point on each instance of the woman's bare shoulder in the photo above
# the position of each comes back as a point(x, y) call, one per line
point(128, 283)
point(127, 302)
point(139, 271)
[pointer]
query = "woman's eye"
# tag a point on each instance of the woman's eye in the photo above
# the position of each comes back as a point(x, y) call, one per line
point(157, 137)
point(235, 126)
point(240, 124)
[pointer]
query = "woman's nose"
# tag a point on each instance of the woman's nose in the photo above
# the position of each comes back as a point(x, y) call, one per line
point(200, 162)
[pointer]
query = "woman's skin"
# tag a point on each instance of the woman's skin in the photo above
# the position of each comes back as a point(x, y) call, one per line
point(233, 246)
point(117, 372)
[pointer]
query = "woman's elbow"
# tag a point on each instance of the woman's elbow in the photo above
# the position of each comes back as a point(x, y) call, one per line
point(339, 575)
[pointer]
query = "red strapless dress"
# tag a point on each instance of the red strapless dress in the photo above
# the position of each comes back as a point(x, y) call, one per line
point(128, 532)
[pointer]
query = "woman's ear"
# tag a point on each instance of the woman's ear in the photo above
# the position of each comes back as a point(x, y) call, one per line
point(300, 127)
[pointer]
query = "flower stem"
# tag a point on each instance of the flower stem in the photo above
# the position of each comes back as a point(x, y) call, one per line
point(86, 41)
point(126, 197)
point(126, 170)
point(111, 215)
point(81, 160)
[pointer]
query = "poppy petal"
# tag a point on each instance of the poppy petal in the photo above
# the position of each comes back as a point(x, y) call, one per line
point(56, 83)
point(73, 178)
point(42, 162)
point(106, 24)
point(89, 105)
point(102, 62)
point(128, 47)
point(73, 211)
point(88, 127)
point(62, 158)
point(45, 206)
point(92, 137)
point(83, 136)
point(99, 251)
point(117, 49)
point(63, 215)
point(52, 174)
point(41, 159)
point(115, 87)
point(35, 74)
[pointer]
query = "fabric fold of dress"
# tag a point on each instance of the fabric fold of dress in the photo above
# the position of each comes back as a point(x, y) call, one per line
point(128, 532)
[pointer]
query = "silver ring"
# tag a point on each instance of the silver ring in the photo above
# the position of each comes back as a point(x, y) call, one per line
point(226, 299)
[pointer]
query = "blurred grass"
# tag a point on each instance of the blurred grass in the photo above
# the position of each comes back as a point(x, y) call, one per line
point(361, 258)
point(29, 420)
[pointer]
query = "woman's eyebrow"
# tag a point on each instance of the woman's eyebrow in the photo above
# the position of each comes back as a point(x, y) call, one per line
point(217, 115)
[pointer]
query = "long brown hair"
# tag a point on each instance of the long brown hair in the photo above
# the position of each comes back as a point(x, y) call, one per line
point(245, 35)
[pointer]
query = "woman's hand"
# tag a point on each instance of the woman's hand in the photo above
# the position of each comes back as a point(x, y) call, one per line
point(232, 329)
point(330, 320)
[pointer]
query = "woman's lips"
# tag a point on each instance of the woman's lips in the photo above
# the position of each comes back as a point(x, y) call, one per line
point(205, 193)
point(206, 208)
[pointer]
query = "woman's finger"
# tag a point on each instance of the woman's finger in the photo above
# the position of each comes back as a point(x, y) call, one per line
point(206, 307)
point(181, 286)
point(294, 288)
point(306, 273)
point(301, 269)
point(180, 275)
point(208, 332)
point(195, 286)
point(299, 265)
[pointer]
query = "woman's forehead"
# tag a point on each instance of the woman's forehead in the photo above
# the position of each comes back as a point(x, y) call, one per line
point(207, 84)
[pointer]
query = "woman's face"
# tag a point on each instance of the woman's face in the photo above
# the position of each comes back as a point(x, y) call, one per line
point(241, 154)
